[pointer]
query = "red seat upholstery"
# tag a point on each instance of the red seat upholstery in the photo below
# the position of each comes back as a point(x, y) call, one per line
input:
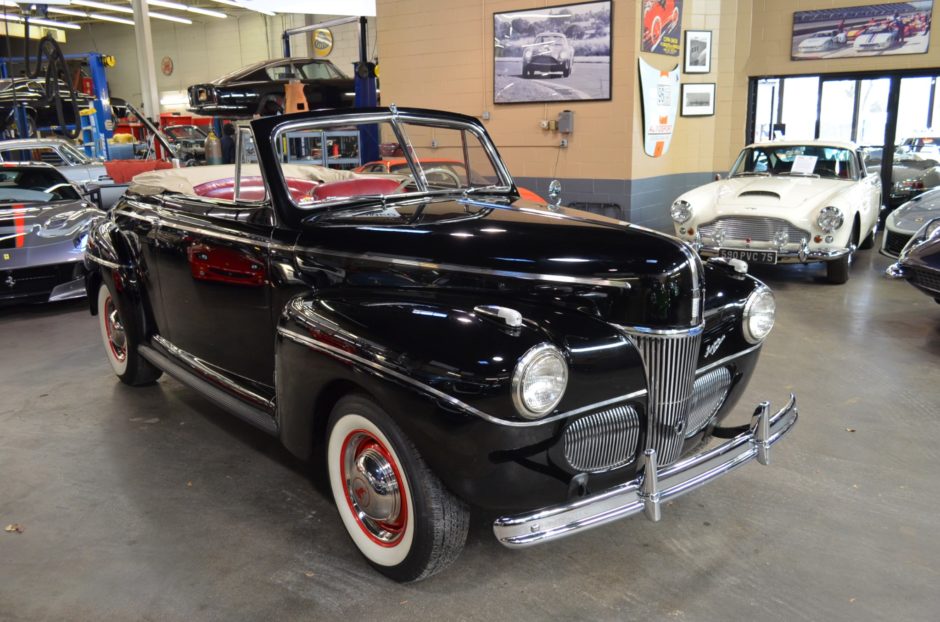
point(355, 188)
point(251, 189)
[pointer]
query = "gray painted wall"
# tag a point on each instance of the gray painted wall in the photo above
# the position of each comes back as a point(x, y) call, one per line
point(641, 201)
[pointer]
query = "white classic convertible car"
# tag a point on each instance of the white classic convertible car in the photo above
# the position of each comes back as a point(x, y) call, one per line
point(786, 202)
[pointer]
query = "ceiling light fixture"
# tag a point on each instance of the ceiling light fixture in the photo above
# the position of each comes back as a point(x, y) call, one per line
point(170, 18)
point(41, 22)
point(182, 7)
point(111, 18)
point(104, 7)
point(242, 6)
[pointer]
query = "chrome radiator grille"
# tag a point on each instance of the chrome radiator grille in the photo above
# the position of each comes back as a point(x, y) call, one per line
point(708, 394)
point(669, 360)
point(754, 228)
point(602, 441)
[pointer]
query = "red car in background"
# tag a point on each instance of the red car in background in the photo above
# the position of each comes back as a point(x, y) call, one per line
point(440, 170)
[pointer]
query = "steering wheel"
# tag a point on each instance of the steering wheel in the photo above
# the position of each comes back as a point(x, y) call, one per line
point(451, 175)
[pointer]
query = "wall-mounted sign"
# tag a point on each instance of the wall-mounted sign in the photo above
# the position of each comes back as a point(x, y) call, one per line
point(660, 100)
point(166, 66)
point(558, 53)
point(661, 25)
point(850, 32)
point(322, 39)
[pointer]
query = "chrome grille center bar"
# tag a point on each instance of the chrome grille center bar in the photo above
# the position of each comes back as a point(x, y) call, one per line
point(669, 361)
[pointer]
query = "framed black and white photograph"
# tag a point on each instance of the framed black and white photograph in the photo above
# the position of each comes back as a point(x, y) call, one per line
point(552, 54)
point(698, 51)
point(698, 100)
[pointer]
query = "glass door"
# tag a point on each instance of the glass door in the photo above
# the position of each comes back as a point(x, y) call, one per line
point(836, 106)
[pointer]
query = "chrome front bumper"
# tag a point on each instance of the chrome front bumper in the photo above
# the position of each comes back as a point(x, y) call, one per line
point(803, 255)
point(653, 486)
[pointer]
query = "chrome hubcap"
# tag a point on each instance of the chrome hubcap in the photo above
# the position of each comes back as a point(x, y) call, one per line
point(117, 338)
point(372, 488)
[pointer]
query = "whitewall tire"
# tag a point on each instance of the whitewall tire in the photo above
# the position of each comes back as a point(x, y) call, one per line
point(397, 513)
point(119, 336)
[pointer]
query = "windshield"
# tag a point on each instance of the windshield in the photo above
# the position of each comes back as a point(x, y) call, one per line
point(797, 160)
point(185, 132)
point(34, 185)
point(429, 157)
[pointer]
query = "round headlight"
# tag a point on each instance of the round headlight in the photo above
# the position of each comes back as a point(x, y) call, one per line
point(830, 218)
point(681, 211)
point(759, 311)
point(539, 381)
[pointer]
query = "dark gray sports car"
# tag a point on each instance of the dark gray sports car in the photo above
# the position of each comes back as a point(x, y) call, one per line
point(44, 222)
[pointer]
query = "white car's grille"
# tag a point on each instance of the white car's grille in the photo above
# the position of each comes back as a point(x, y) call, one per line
point(754, 228)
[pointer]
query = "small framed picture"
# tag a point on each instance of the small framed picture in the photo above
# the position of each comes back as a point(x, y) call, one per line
point(698, 100)
point(698, 51)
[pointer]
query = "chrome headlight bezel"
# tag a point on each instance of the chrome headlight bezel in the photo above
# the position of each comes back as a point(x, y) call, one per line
point(929, 231)
point(544, 353)
point(830, 218)
point(680, 211)
point(760, 296)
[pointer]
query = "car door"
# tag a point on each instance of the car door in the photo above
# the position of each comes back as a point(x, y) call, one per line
point(213, 259)
point(871, 186)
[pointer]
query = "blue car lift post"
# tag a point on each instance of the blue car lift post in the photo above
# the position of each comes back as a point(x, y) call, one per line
point(366, 90)
point(95, 62)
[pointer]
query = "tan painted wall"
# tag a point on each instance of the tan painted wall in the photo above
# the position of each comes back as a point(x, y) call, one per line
point(770, 54)
point(439, 55)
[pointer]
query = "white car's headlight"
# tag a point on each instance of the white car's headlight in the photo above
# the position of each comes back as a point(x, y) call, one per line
point(829, 219)
point(759, 312)
point(539, 381)
point(681, 211)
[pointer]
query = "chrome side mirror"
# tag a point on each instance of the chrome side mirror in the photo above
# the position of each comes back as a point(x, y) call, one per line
point(554, 192)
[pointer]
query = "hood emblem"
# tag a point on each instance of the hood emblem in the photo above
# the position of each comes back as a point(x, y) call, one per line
point(10, 281)
point(713, 346)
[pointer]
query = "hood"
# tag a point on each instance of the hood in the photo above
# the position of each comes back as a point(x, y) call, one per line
point(917, 212)
point(620, 272)
point(775, 192)
point(876, 37)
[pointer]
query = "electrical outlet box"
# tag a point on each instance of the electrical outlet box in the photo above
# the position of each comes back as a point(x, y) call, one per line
point(566, 121)
point(433, 143)
point(553, 125)
point(543, 124)
point(486, 115)
point(564, 143)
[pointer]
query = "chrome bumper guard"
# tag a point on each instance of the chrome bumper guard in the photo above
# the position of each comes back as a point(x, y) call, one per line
point(654, 486)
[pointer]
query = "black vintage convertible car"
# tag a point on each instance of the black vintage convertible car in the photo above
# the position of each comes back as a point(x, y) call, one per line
point(259, 88)
point(435, 346)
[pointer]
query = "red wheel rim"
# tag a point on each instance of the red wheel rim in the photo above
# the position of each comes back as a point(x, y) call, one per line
point(373, 488)
point(117, 338)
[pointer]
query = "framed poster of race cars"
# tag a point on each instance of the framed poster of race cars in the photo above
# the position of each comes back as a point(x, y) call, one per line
point(553, 54)
point(850, 32)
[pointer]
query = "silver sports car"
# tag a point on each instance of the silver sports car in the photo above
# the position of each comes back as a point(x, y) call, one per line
point(44, 221)
point(69, 160)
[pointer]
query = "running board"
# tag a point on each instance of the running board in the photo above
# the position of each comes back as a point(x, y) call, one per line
point(240, 409)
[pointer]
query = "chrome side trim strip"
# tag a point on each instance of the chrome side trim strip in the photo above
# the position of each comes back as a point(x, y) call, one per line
point(324, 347)
point(431, 265)
point(728, 358)
point(104, 262)
point(205, 371)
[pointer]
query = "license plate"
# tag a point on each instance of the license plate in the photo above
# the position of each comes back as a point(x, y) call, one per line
point(749, 256)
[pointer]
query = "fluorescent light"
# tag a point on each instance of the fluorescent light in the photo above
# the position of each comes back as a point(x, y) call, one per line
point(41, 22)
point(110, 18)
point(209, 12)
point(53, 9)
point(242, 6)
point(170, 18)
point(104, 7)
point(182, 7)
